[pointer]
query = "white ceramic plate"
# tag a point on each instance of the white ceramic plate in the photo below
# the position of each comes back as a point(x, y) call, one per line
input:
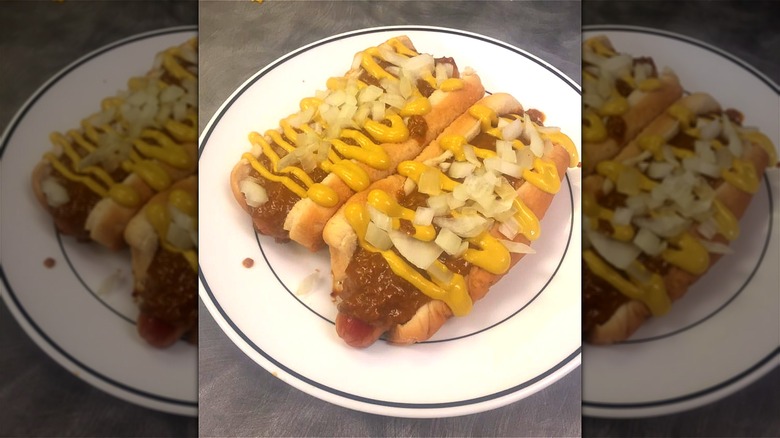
point(523, 336)
point(68, 309)
point(725, 332)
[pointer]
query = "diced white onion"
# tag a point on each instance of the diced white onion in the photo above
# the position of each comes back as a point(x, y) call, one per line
point(509, 228)
point(464, 226)
point(622, 216)
point(419, 253)
point(439, 272)
point(537, 145)
point(423, 216)
point(439, 204)
point(178, 237)
point(648, 242)
point(380, 219)
point(409, 185)
point(429, 183)
point(708, 129)
point(708, 229)
point(659, 169)
point(448, 241)
point(369, 93)
point(618, 254)
point(517, 247)
point(378, 237)
point(308, 283)
point(505, 151)
point(716, 247)
point(254, 193)
point(461, 169)
point(55, 193)
point(512, 130)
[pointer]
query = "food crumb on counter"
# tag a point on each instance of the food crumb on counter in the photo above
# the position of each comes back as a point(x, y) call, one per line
point(49, 262)
point(248, 262)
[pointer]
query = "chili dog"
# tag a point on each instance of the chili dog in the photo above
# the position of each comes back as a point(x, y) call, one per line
point(621, 95)
point(385, 109)
point(163, 244)
point(96, 177)
point(421, 246)
point(662, 212)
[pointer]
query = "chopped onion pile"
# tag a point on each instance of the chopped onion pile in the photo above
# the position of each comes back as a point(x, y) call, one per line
point(149, 103)
point(681, 197)
point(350, 105)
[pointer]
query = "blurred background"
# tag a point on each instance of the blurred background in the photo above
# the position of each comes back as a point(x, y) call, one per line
point(746, 30)
point(38, 39)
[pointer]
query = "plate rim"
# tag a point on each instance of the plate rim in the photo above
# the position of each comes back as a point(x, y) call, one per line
point(399, 409)
point(753, 372)
point(29, 326)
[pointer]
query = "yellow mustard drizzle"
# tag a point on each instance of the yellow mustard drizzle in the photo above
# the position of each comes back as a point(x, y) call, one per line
point(652, 294)
point(454, 143)
point(366, 152)
point(544, 175)
point(158, 215)
point(414, 169)
point(691, 257)
point(395, 133)
point(486, 116)
point(742, 175)
point(492, 255)
point(353, 175)
point(144, 158)
point(655, 143)
point(387, 205)
point(594, 130)
point(614, 106)
point(764, 142)
point(454, 293)
point(650, 84)
point(565, 142)
point(451, 84)
point(594, 211)
point(682, 114)
point(527, 220)
point(417, 107)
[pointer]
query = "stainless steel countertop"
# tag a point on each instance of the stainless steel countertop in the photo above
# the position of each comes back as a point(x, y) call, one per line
point(237, 396)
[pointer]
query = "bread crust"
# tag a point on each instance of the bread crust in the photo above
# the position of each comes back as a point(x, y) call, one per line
point(305, 222)
point(633, 313)
point(428, 319)
point(645, 110)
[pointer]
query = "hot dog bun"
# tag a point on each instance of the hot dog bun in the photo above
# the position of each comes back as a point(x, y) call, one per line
point(344, 241)
point(303, 218)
